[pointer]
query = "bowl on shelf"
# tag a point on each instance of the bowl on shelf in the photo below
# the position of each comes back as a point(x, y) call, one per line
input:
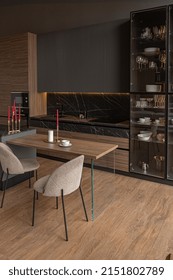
point(153, 88)
point(151, 51)
point(145, 133)
point(142, 120)
point(144, 137)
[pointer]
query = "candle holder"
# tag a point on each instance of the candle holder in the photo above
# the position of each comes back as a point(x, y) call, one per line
point(18, 130)
point(8, 126)
point(13, 121)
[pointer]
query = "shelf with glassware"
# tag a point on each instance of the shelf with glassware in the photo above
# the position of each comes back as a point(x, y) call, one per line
point(148, 50)
point(148, 74)
point(147, 134)
point(147, 152)
point(148, 91)
point(170, 138)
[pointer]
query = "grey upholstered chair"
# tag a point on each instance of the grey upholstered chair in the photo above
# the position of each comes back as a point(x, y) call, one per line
point(11, 165)
point(63, 181)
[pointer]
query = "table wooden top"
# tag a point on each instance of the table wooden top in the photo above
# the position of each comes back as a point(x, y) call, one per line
point(90, 149)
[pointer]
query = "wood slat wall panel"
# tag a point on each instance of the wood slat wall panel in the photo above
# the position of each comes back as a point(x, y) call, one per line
point(19, 62)
point(18, 71)
point(38, 101)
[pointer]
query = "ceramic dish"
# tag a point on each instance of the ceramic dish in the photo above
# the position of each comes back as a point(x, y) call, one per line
point(65, 146)
point(144, 137)
point(151, 51)
point(144, 123)
point(141, 120)
point(153, 88)
point(145, 133)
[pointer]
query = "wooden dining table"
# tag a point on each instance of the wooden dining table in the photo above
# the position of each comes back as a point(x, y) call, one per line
point(90, 149)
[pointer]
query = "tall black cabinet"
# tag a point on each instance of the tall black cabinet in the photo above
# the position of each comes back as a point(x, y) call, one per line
point(151, 92)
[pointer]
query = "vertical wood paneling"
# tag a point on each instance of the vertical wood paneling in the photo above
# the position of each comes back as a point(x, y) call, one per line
point(87, 59)
point(19, 62)
point(38, 101)
point(18, 71)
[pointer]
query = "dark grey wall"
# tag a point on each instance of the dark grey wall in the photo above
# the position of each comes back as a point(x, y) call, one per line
point(44, 16)
point(94, 58)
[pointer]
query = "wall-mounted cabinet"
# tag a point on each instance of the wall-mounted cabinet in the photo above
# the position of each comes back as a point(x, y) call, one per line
point(151, 88)
point(87, 59)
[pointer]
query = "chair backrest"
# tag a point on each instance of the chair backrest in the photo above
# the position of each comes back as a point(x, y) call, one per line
point(66, 177)
point(9, 161)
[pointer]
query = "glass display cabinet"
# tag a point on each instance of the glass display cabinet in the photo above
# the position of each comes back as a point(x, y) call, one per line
point(150, 71)
point(170, 138)
point(170, 98)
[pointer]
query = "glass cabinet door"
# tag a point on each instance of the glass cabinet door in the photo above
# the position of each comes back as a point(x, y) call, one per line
point(170, 51)
point(148, 50)
point(147, 134)
point(170, 138)
point(170, 98)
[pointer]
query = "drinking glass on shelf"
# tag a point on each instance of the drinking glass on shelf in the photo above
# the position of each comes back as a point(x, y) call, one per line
point(139, 61)
point(145, 62)
point(155, 100)
point(156, 32)
point(162, 32)
point(162, 58)
point(150, 100)
point(152, 65)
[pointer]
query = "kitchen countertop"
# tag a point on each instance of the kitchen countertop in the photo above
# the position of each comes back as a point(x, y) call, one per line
point(99, 121)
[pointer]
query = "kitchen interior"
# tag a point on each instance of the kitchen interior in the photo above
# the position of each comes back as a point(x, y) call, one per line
point(108, 72)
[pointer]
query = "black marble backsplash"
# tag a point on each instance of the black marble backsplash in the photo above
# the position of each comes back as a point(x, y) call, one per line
point(91, 105)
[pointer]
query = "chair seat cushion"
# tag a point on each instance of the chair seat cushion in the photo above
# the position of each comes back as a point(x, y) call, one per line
point(29, 164)
point(40, 184)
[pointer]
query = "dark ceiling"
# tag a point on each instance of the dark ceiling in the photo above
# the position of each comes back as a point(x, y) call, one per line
point(43, 16)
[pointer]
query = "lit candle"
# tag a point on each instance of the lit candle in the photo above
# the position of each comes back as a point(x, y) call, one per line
point(57, 119)
point(50, 135)
point(8, 113)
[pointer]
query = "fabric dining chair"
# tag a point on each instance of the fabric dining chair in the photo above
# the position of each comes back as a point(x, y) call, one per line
point(63, 181)
point(12, 165)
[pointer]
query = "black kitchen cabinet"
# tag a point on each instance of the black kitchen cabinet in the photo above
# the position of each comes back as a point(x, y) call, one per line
point(86, 59)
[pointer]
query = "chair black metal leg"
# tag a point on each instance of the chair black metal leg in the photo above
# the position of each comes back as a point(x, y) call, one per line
point(29, 179)
point(37, 195)
point(57, 202)
point(4, 189)
point(2, 174)
point(33, 209)
point(63, 207)
point(36, 175)
point(86, 216)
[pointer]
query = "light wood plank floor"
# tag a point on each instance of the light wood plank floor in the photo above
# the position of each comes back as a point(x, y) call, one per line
point(134, 220)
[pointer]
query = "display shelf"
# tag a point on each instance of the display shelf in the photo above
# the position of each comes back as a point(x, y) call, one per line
point(148, 91)
point(149, 172)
